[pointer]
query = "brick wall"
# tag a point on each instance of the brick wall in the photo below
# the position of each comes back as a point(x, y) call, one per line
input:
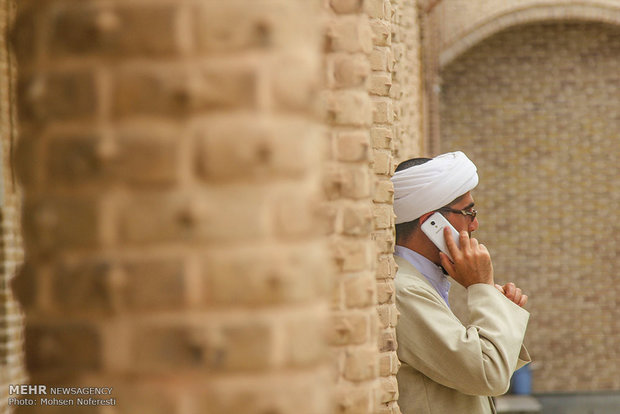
point(11, 252)
point(536, 108)
point(169, 157)
point(371, 99)
point(200, 204)
point(349, 184)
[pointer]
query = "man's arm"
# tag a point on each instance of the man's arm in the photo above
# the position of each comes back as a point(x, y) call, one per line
point(478, 359)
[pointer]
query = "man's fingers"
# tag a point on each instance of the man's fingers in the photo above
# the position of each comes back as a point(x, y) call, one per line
point(500, 288)
point(464, 240)
point(514, 293)
point(518, 295)
point(474, 243)
point(450, 242)
point(483, 248)
point(510, 290)
point(446, 263)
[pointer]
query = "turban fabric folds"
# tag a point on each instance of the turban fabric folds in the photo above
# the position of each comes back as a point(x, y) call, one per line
point(427, 187)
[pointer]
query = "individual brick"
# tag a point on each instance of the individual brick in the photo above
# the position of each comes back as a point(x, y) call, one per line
point(236, 346)
point(387, 341)
point(352, 255)
point(305, 346)
point(356, 182)
point(390, 407)
point(74, 160)
point(346, 6)
point(59, 223)
point(266, 276)
point(384, 241)
point(358, 400)
point(156, 398)
point(352, 146)
point(66, 95)
point(382, 32)
point(381, 137)
point(347, 70)
point(380, 84)
point(28, 172)
point(136, 156)
point(383, 111)
point(350, 34)
point(151, 284)
point(74, 347)
point(361, 364)
point(145, 157)
point(357, 220)
point(259, 25)
point(100, 30)
point(378, 9)
point(388, 389)
point(383, 192)
point(360, 291)
point(25, 30)
point(348, 328)
point(385, 292)
point(336, 296)
point(296, 212)
point(248, 346)
point(349, 108)
point(250, 148)
point(381, 59)
point(388, 364)
point(383, 216)
point(266, 393)
point(85, 285)
point(352, 182)
point(332, 181)
point(386, 267)
point(165, 92)
point(226, 215)
point(225, 85)
point(295, 82)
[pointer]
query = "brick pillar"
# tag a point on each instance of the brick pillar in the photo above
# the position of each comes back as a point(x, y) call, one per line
point(12, 369)
point(169, 157)
point(349, 188)
point(373, 78)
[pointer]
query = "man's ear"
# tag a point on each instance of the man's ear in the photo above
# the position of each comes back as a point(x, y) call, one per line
point(424, 216)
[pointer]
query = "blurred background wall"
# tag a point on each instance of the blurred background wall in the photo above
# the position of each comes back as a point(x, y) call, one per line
point(206, 197)
point(531, 91)
point(538, 108)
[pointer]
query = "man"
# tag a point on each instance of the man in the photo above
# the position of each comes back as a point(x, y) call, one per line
point(448, 367)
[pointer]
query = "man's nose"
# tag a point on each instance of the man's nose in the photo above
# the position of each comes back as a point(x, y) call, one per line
point(473, 226)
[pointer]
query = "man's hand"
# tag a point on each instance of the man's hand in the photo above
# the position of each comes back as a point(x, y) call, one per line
point(513, 293)
point(472, 262)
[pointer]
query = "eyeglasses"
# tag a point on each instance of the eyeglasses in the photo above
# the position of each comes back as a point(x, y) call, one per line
point(472, 213)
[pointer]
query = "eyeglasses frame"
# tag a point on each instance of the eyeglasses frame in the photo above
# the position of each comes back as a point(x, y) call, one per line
point(472, 213)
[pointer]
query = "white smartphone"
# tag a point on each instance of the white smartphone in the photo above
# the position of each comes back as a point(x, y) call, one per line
point(433, 228)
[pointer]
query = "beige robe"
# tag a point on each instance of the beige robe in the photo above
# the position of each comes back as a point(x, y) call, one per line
point(449, 368)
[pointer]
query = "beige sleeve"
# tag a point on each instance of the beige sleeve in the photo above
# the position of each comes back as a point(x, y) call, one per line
point(477, 359)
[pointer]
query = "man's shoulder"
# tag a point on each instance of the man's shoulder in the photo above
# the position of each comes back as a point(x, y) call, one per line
point(408, 277)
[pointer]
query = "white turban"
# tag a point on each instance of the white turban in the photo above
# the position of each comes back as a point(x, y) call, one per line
point(427, 187)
